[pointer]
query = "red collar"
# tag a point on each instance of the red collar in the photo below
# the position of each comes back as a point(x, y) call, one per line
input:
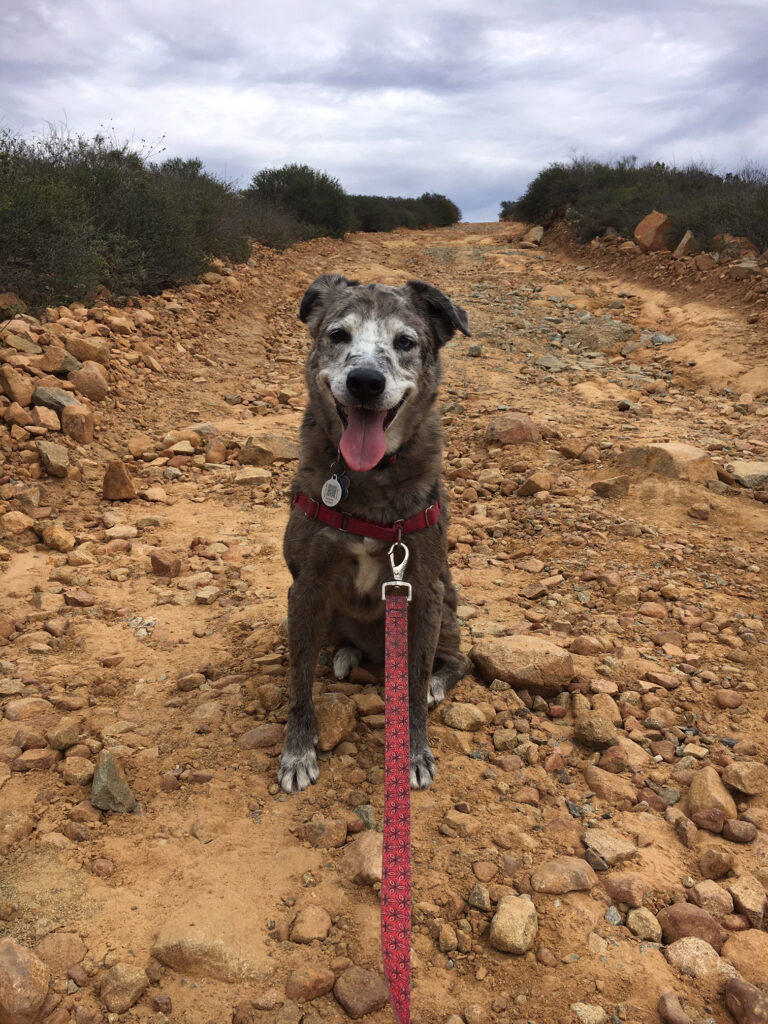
point(364, 527)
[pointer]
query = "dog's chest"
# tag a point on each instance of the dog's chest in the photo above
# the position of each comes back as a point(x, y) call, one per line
point(367, 555)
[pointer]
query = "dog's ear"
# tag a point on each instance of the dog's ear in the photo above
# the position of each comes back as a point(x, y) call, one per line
point(318, 294)
point(444, 316)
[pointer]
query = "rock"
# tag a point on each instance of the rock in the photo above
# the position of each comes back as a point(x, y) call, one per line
point(707, 792)
point(626, 887)
point(361, 860)
point(686, 246)
point(465, 717)
point(36, 760)
point(77, 423)
point(55, 537)
point(110, 790)
point(697, 957)
point(54, 398)
point(715, 862)
point(60, 951)
point(264, 449)
point(746, 1002)
point(90, 380)
point(308, 982)
point(253, 476)
point(611, 487)
point(525, 662)
point(263, 736)
point(592, 729)
point(165, 563)
point(336, 719)
point(77, 771)
point(15, 826)
point(643, 924)
point(514, 925)
point(222, 943)
point(670, 1010)
point(711, 897)
point(360, 992)
point(652, 233)
point(54, 457)
point(750, 898)
point(589, 1013)
point(674, 460)
point(64, 734)
point(88, 348)
point(465, 825)
point(26, 707)
point(17, 386)
point(533, 484)
point(309, 924)
point(534, 234)
point(24, 982)
point(750, 777)
point(122, 986)
point(15, 523)
point(739, 831)
point(118, 483)
point(608, 846)
point(323, 833)
point(683, 920)
point(748, 952)
point(512, 428)
point(42, 416)
point(447, 940)
point(563, 874)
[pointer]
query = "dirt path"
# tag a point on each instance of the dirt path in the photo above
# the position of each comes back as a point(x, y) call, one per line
point(658, 590)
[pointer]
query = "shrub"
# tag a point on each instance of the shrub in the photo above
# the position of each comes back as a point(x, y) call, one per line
point(315, 199)
point(595, 196)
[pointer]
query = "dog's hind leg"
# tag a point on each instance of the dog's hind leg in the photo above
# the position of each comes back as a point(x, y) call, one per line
point(306, 621)
point(424, 623)
point(345, 659)
point(451, 664)
point(443, 679)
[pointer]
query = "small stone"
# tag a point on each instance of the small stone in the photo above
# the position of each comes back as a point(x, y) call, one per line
point(465, 717)
point(360, 992)
point(609, 847)
point(90, 380)
point(588, 1013)
point(263, 736)
point(361, 860)
point(748, 1004)
point(110, 790)
point(118, 483)
point(308, 982)
point(670, 1010)
point(697, 957)
point(55, 537)
point(165, 563)
point(336, 719)
point(750, 777)
point(77, 771)
point(514, 925)
point(713, 898)
point(611, 487)
point(643, 924)
point(24, 982)
point(626, 887)
point(513, 428)
point(563, 874)
point(54, 457)
point(61, 951)
point(122, 986)
point(309, 924)
point(739, 831)
point(715, 862)
point(683, 920)
point(707, 792)
point(750, 898)
point(523, 661)
point(447, 940)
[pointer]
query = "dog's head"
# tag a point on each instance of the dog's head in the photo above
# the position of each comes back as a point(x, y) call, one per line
point(374, 368)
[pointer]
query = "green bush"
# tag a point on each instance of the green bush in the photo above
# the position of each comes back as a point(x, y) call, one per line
point(595, 196)
point(315, 199)
point(385, 213)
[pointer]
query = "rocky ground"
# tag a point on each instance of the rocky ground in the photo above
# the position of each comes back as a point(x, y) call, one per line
point(594, 847)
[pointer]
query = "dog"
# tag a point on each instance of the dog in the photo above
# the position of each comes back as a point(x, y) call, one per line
point(371, 446)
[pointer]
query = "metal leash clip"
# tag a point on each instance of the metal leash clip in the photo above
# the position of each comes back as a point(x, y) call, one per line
point(398, 570)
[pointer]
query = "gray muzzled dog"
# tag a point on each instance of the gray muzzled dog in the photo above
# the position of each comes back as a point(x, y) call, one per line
point(373, 375)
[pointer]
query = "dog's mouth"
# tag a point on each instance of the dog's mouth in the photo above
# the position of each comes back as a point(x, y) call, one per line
point(363, 443)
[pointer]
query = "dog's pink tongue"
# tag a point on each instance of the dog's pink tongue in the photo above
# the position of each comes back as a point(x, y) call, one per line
point(363, 443)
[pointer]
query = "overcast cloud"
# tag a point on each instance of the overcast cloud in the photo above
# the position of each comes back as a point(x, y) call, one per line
point(398, 98)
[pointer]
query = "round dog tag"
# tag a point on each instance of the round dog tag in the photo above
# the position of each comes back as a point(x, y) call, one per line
point(332, 492)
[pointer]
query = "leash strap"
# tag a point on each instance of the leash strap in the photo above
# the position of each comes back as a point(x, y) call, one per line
point(396, 861)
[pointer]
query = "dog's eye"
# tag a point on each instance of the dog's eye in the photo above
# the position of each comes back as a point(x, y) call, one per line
point(338, 335)
point(404, 343)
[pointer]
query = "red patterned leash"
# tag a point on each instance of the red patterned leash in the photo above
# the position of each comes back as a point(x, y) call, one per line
point(396, 861)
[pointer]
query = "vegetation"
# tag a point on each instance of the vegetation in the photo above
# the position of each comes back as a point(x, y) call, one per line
point(79, 213)
point(594, 196)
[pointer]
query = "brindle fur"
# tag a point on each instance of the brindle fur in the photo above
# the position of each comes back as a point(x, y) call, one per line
point(336, 592)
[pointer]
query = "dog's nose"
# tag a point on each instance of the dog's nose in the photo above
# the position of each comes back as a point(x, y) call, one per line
point(365, 384)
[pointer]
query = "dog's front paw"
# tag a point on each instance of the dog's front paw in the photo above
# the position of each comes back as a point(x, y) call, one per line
point(297, 771)
point(423, 769)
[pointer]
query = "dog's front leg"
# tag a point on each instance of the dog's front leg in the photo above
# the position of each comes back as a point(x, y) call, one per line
point(306, 621)
point(424, 628)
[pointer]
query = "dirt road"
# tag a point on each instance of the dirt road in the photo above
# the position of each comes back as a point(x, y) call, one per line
point(220, 898)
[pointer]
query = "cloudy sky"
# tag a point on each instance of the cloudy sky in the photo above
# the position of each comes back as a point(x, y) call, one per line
point(397, 98)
